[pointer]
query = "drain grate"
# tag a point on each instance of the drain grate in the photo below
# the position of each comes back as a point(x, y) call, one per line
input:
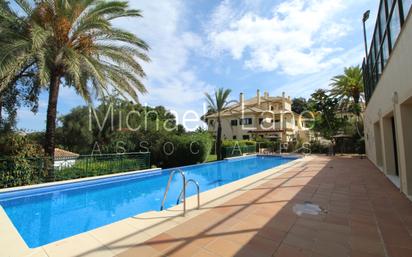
point(308, 208)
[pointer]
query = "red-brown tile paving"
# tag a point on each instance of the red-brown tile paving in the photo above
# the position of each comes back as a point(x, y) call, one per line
point(366, 217)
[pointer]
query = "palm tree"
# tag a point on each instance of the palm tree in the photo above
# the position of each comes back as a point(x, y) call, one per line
point(83, 50)
point(21, 42)
point(18, 80)
point(217, 104)
point(348, 88)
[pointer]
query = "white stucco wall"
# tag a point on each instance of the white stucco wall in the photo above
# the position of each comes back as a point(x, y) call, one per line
point(393, 92)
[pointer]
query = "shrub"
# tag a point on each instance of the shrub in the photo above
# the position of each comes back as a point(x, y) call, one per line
point(182, 150)
point(21, 161)
point(231, 143)
point(317, 147)
point(232, 148)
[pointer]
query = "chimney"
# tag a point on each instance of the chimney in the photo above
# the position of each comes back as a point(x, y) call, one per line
point(241, 99)
point(258, 97)
point(283, 94)
point(266, 95)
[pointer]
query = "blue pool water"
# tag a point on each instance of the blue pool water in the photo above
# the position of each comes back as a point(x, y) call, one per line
point(48, 214)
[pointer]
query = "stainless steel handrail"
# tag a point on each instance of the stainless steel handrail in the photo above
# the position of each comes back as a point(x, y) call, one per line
point(168, 186)
point(198, 192)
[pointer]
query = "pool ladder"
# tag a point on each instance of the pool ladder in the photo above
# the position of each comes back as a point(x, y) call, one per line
point(182, 195)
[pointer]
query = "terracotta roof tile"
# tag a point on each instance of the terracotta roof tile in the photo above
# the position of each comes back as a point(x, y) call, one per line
point(63, 153)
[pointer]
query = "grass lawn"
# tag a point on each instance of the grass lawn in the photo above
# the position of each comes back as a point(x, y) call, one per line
point(211, 158)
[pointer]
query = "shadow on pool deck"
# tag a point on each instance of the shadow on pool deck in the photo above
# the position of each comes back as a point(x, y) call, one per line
point(366, 216)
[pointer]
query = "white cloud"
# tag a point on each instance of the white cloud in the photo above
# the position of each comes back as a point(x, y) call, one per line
point(171, 79)
point(305, 85)
point(291, 40)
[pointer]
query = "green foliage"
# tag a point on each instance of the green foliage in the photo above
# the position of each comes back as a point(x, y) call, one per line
point(327, 123)
point(90, 166)
point(21, 42)
point(266, 143)
point(182, 150)
point(348, 88)
point(299, 105)
point(12, 144)
point(229, 143)
point(77, 135)
point(73, 42)
point(233, 151)
point(15, 89)
point(84, 130)
point(316, 147)
point(217, 104)
point(21, 161)
point(211, 158)
point(21, 170)
point(232, 148)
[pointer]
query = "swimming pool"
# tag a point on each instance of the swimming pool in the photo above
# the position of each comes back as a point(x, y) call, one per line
point(47, 214)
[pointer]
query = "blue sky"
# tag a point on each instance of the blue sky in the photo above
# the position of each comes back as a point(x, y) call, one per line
point(294, 46)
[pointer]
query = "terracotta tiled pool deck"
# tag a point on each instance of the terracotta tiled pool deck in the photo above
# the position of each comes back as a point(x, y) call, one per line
point(366, 216)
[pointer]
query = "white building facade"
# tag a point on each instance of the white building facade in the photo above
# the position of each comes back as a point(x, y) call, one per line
point(388, 90)
point(261, 116)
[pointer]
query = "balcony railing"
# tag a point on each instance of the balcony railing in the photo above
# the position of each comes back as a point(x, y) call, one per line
point(391, 18)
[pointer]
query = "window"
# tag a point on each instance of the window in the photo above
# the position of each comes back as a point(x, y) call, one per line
point(377, 40)
point(385, 49)
point(246, 121)
point(377, 51)
point(372, 54)
point(233, 122)
point(390, 2)
point(406, 7)
point(371, 62)
point(260, 121)
point(395, 25)
point(382, 17)
point(212, 123)
point(272, 108)
point(246, 137)
point(391, 16)
point(378, 65)
point(234, 137)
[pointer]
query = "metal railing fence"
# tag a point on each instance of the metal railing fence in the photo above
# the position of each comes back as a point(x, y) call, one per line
point(16, 171)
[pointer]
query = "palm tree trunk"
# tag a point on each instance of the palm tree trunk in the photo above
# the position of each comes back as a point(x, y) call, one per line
point(219, 139)
point(1, 109)
point(51, 115)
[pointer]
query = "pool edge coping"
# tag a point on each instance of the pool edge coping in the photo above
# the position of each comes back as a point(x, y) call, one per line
point(77, 180)
point(145, 225)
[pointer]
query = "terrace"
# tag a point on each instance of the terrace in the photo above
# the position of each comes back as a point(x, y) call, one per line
point(365, 215)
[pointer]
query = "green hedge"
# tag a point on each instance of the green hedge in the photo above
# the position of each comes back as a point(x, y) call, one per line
point(233, 151)
point(231, 143)
point(182, 150)
point(233, 148)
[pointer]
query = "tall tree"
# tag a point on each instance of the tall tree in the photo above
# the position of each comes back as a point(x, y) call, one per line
point(83, 50)
point(217, 104)
point(299, 105)
point(348, 88)
point(22, 42)
point(324, 106)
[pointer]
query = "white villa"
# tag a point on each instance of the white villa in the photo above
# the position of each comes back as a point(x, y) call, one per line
point(261, 116)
